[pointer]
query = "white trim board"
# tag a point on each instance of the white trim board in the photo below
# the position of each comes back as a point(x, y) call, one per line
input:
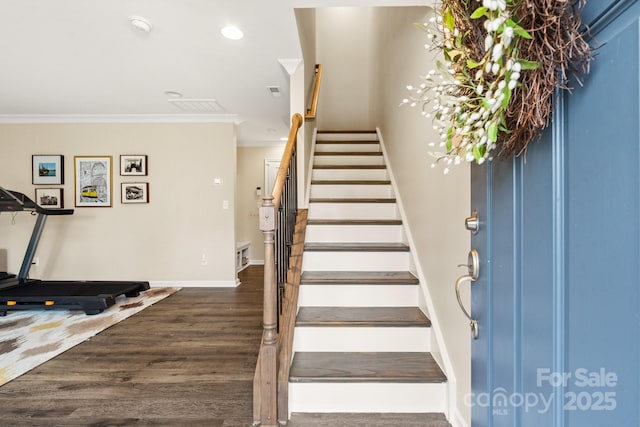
point(117, 118)
point(193, 283)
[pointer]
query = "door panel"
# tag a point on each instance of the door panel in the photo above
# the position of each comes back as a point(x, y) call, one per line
point(602, 228)
point(558, 299)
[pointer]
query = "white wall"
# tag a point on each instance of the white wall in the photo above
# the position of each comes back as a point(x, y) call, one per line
point(435, 204)
point(343, 40)
point(163, 241)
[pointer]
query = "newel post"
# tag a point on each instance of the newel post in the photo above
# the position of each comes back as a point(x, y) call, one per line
point(269, 353)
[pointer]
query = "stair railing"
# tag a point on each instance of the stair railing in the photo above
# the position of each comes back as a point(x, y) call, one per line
point(277, 222)
point(311, 112)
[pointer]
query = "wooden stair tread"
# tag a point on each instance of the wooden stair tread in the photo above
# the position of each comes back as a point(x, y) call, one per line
point(356, 247)
point(354, 222)
point(370, 419)
point(362, 316)
point(350, 166)
point(348, 153)
point(365, 367)
point(358, 278)
point(351, 182)
point(352, 200)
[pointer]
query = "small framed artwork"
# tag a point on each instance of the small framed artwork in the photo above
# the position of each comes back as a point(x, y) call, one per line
point(93, 181)
point(133, 164)
point(47, 169)
point(135, 192)
point(50, 198)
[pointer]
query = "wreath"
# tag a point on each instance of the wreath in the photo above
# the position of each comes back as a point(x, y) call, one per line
point(503, 60)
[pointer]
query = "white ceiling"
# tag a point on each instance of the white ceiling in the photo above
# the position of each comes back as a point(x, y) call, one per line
point(75, 60)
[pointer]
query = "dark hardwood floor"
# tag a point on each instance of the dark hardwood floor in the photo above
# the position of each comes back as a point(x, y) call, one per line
point(188, 360)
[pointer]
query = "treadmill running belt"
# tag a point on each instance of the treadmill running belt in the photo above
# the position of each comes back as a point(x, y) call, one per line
point(71, 288)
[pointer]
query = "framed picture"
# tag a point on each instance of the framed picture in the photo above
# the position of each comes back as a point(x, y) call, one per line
point(135, 192)
point(50, 198)
point(133, 164)
point(47, 169)
point(93, 181)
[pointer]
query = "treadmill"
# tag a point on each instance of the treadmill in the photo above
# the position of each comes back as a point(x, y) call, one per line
point(18, 292)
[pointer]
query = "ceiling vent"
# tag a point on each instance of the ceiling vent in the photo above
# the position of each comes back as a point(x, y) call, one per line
point(274, 91)
point(197, 105)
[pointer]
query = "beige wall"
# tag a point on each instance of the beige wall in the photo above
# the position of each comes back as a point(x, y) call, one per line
point(251, 175)
point(183, 235)
point(306, 19)
point(343, 48)
point(435, 204)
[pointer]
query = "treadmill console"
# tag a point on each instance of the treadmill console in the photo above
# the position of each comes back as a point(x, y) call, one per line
point(9, 202)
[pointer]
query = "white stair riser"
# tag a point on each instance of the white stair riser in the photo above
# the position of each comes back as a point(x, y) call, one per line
point(354, 233)
point(355, 261)
point(359, 174)
point(360, 339)
point(348, 160)
point(346, 136)
point(350, 190)
point(367, 397)
point(346, 147)
point(353, 211)
point(343, 295)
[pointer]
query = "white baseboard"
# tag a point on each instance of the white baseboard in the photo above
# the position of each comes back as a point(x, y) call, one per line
point(193, 283)
point(256, 262)
point(457, 420)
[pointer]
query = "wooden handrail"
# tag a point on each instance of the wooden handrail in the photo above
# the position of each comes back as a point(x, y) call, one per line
point(278, 185)
point(311, 112)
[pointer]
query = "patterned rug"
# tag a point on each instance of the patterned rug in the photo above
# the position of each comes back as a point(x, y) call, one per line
point(31, 337)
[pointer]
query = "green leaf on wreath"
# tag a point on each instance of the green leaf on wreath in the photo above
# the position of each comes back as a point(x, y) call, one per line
point(528, 65)
point(492, 132)
point(479, 12)
point(507, 96)
point(449, 22)
point(471, 64)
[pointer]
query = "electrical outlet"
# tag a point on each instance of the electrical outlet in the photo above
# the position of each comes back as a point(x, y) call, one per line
point(204, 260)
point(36, 261)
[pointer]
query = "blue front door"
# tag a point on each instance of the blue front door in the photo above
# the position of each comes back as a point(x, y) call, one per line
point(558, 297)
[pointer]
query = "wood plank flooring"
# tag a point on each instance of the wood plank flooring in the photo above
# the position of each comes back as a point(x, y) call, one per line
point(187, 360)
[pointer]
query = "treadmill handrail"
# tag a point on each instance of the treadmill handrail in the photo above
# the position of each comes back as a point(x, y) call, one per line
point(26, 204)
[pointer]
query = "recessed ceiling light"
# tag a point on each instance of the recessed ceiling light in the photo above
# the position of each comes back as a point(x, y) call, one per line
point(173, 94)
point(140, 24)
point(232, 32)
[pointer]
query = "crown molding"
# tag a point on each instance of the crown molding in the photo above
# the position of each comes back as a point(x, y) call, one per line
point(117, 118)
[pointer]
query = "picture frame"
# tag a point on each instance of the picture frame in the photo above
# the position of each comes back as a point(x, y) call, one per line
point(47, 169)
point(133, 165)
point(93, 181)
point(134, 192)
point(50, 198)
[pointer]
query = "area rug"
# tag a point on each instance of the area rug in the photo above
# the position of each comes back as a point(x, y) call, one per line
point(30, 338)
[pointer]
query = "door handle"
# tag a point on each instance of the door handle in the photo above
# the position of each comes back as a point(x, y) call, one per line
point(473, 267)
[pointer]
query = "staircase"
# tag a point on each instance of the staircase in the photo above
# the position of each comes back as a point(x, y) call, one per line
point(361, 342)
